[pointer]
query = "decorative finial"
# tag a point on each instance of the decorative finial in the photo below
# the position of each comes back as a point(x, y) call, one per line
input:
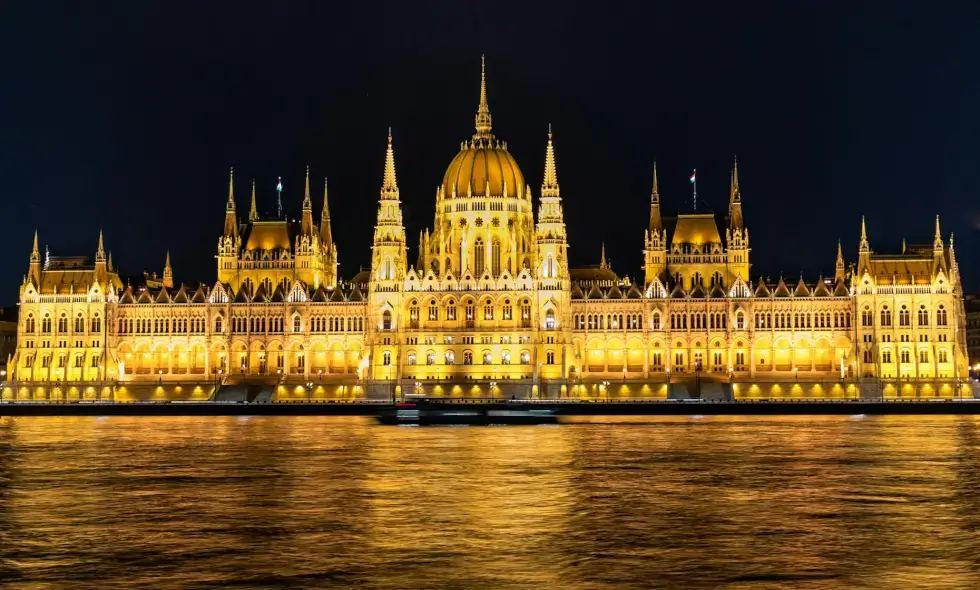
point(307, 202)
point(938, 239)
point(231, 189)
point(253, 212)
point(279, 196)
point(35, 252)
point(602, 259)
point(100, 251)
point(389, 185)
point(550, 169)
point(864, 246)
point(655, 193)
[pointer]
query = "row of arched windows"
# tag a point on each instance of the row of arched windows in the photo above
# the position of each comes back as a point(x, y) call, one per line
point(30, 324)
point(489, 312)
point(904, 316)
point(449, 358)
point(803, 320)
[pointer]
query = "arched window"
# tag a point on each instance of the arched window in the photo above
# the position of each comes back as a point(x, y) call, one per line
point(96, 324)
point(886, 316)
point(451, 311)
point(413, 314)
point(218, 325)
point(526, 313)
point(549, 320)
point(79, 324)
point(655, 320)
point(386, 358)
point(479, 257)
point(411, 358)
point(433, 311)
point(904, 317)
point(430, 358)
point(63, 323)
point(941, 317)
point(508, 310)
point(941, 356)
point(267, 286)
point(505, 358)
point(248, 287)
point(387, 269)
point(495, 257)
point(923, 316)
point(740, 321)
point(549, 268)
point(468, 357)
point(450, 357)
point(866, 320)
point(487, 358)
point(29, 325)
point(525, 358)
point(488, 310)
point(297, 324)
point(46, 324)
point(386, 320)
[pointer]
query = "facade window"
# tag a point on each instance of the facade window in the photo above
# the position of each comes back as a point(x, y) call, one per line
point(386, 358)
point(904, 317)
point(450, 357)
point(413, 315)
point(487, 358)
point(923, 316)
point(63, 324)
point(470, 313)
point(495, 257)
point(886, 316)
point(386, 320)
point(488, 310)
point(218, 325)
point(941, 316)
point(430, 358)
point(526, 314)
point(941, 356)
point(923, 356)
point(79, 324)
point(433, 311)
point(866, 320)
point(655, 320)
point(678, 361)
point(550, 357)
point(740, 360)
point(740, 321)
point(886, 356)
point(297, 324)
point(549, 320)
point(29, 325)
point(905, 356)
point(468, 358)
point(505, 358)
point(508, 310)
point(658, 361)
point(525, 358)
point(479, 257)
point(451, 311)
point(411, 359)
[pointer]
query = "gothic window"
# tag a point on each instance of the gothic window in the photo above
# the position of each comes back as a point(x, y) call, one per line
point(549, 357)
point(217, 324)
point(468, 357)
point(433, 311)
point(79, 323)
point(297, 324)
point(495, 257)
point(740, 321)
point(451, 311)
point(904, 317)
point(549, 320)
point(386, 320)
point(508, 310)
point(413, 315)
point(488, 310)
point(430, 358)
point(29, 325)
point(267, 286)
point(655, 320)
point(886, 316)
point(526, 313)
point(479, 256)
point(525, 358)
point(866, 317)
point(411, 359)
point(63, 323)
point(886, 356)
point(549, 269)
point(450, 357)
point(923, 316)
point(941, 356)
point(248, 287)
point(470, 311)
point(386, 358)
point(941, 317)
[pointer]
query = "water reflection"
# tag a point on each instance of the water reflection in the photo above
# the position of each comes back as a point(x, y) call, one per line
point(313, 502)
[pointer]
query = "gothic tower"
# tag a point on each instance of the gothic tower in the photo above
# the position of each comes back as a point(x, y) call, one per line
point(737, 234)
point(655, 237)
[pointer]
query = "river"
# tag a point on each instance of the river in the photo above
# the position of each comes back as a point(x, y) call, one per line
point(833, 502)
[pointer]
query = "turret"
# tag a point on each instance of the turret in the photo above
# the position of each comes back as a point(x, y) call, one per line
point(938, 255)
point(864, 250)
point(839, 266)
point(253, 210)
point(35, 268)
point(101, 271)
point(737, 235)
point(389, 250)
point(551, 239)
point(326, 241)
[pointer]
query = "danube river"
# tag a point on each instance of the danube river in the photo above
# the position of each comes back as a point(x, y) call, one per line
point(833, 502)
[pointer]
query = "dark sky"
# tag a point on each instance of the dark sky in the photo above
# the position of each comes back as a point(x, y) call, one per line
point(126, 116)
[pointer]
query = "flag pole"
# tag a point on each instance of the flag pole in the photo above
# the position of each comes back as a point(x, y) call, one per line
point(279, 197)
point(694, 181)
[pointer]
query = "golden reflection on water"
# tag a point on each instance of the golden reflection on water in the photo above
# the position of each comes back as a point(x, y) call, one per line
point(837, 502)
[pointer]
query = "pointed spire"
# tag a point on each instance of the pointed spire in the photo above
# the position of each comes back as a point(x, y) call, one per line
point(839, 266)
point(230, 206)
point(735, 220)
point(389, 187)
point(863, 246)
point(100, 251)
point(655, 193)
point(550, 184)
point(656, 223)
point(326, 236)
point(35, 252)
point(253, 212)
point(602, 258)
point(484, 122)
point(166, 263)
point(109, 265)
point(937, 241)
point(904, 246)
point(735, 192)
point(307, 202)
point(168, 273)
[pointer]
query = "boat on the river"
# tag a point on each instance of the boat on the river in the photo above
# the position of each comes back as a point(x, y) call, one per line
point(428, 414)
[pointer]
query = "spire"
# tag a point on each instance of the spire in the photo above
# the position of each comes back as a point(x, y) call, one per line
point(306, 221)
point(230, 206)
point(484, 122)
point(937, 241)
point(389, 187)
point(100, 251)
point(253, 212)
point(863, 246)
point(839, 267)
point(550, 184)
point(904, 246)
point(231, 220)
point(168, 273)
point(307, 202)
point(656, 223)
point(35, 252)
point(326, 235)
point(279, 197)
point(735, 220)
point(108, 264)
point(602, 257)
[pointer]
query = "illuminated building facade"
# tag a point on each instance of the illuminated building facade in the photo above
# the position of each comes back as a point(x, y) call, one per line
point(490, 304)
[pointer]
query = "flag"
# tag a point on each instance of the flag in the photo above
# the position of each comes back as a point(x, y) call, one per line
point(279, 185)
point(693, 174)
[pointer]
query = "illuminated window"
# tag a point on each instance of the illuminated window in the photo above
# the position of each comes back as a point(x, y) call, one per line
point(386, 358)
point(451, 311)
point(550, 357)
point(450, 357)
point(508, 309)
point(386, 320)
point(411, 359)
point(525, 358)
point(505, 358)
point(549, 320)
point(941, 317)
point(433, 311)
point(430, 358)
point(487, 358)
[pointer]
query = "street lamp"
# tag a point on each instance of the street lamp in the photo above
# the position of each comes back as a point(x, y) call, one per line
point(605, 386)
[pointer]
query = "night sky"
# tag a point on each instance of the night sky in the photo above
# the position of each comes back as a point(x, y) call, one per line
point(127, 117)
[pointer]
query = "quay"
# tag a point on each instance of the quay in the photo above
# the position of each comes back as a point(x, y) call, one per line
point(560, 408)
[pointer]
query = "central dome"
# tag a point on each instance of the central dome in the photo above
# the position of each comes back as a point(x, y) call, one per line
point(483, 165)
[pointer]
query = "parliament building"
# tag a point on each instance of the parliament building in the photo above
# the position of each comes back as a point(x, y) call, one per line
point(489, 305)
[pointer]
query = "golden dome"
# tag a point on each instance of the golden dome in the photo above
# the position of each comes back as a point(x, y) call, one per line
point(478, 163)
